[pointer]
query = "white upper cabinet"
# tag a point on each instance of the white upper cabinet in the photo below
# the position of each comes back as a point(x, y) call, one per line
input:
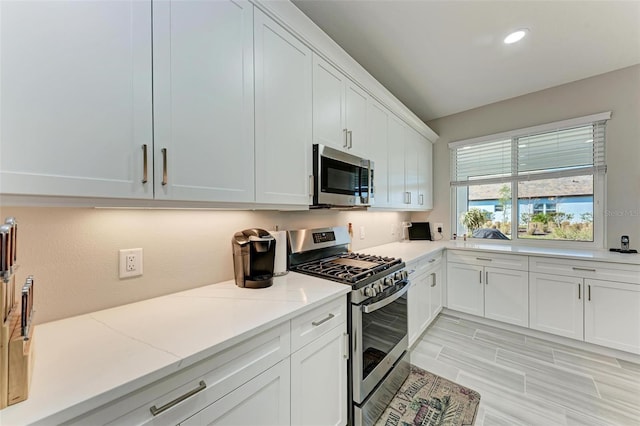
point(339, 110)
point(76, 98)
point(378, 119)
point(203, 100)
point(396, 153)
point(283, 132)
point(425, 175)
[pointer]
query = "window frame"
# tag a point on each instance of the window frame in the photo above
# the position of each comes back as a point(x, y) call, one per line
point(599, 186)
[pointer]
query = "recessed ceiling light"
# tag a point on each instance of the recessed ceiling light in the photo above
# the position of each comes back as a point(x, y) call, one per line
point(515, 36)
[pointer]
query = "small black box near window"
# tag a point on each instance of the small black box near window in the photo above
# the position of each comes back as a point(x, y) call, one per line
point(419, 231)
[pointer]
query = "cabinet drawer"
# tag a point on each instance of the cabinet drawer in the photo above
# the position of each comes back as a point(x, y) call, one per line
point(313, 324)
point(618, 272)
point(221, 373)
point(479, 258)
point(428, 262)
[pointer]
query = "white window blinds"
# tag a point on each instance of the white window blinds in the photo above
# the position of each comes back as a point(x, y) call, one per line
point(568, 148)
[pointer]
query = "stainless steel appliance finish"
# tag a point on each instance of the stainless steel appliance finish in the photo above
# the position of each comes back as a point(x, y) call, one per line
point(377, 315)
point(340, 179)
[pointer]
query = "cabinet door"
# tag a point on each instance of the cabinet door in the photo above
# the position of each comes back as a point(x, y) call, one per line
point(203, 100)
point(76, 98)
point(395, 153)
point(435, 291)
point(612, 315)
point(356, 119)
point(264, 400)
point(506, 296)
point(418, 306)
point(425, 175)
point(319, 381)
point(556, 304)
point(465, 291)
point(329, 126)
point(378, 126)
point(283, 115)
point(413, 149)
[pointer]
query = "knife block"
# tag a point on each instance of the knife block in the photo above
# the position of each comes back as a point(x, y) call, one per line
point(16, 361)
point(20, 363)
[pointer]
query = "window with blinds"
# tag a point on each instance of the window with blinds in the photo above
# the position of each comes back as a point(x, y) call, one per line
point(546, 180)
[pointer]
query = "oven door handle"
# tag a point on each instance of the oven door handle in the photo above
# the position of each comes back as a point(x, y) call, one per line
point(367, 309)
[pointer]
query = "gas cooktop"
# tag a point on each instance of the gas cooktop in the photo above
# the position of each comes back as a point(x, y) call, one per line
point(349, 268)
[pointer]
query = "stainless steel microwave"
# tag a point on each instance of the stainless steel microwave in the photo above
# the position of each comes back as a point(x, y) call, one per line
point(341, 179)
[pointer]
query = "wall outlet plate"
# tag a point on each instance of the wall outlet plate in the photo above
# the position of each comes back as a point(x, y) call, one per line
point(130, 263)
point(438, 227)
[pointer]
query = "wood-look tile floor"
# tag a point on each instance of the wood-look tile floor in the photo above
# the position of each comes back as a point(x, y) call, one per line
point(527, 381)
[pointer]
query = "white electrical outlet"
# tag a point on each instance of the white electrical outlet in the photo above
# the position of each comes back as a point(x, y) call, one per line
point(437, 226)
point(130, 262)
point(362, 232)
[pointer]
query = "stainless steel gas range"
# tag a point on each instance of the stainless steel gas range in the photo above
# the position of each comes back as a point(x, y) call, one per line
point(377, 317)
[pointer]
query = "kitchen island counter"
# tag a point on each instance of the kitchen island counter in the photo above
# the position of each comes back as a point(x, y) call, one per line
point(89, 360)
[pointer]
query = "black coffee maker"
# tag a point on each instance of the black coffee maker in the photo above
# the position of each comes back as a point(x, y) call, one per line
point(254, 252)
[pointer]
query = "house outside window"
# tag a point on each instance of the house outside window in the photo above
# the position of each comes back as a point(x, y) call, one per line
point(541, 183)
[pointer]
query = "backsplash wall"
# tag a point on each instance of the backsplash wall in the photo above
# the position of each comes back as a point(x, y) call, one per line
point(73, 252)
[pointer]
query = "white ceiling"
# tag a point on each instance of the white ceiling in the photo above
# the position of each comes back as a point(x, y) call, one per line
point(443, 57)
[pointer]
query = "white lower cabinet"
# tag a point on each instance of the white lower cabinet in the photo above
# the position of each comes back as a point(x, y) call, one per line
point(292, 374)
point(319, 381)
point(264, 400)
point(606, 313)
point(425, 295)
point(498, 293)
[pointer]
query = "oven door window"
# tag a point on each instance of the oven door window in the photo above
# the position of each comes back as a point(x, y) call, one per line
point(339, 177)
point(382, 330)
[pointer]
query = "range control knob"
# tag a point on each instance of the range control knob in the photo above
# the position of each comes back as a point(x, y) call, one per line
point(378, 287)
point(369, 291)
point(388, 282)
point(397, 276)
point(405, 275)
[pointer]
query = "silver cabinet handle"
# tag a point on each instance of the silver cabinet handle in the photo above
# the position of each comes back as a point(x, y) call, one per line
point(484, 258)
point(421, 198)
point(589, 293)
point(322, 321)
point(431, 260)
point(164, 166)
point(350, 135)
point(486, 278)
point(433, 283)
point(346, 132)
point(410, 198)
point(346, 345)
point(144, 163)
point(480, 277)
point(584, 269)
point(312, 185)
point(579, 291)
point(201, 386)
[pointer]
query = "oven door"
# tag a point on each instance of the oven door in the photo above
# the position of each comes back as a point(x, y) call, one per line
point(341, 179)
point(379, 338)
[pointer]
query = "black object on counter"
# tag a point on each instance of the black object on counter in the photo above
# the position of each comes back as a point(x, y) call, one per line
point(623, 251)
point(254, 252)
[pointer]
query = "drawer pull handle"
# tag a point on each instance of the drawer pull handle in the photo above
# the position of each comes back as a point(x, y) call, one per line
point(431, 260)
point(484, 258)
point(201, 386)
point(583, 269)
point(322, 321)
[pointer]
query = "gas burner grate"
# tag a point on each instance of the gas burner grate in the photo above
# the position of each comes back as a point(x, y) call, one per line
point(335, 268)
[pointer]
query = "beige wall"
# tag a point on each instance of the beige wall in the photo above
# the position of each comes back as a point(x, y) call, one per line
point(73, 252)
point(617, 91)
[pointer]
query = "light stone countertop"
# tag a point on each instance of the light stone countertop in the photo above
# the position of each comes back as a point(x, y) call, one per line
point(86, 361)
